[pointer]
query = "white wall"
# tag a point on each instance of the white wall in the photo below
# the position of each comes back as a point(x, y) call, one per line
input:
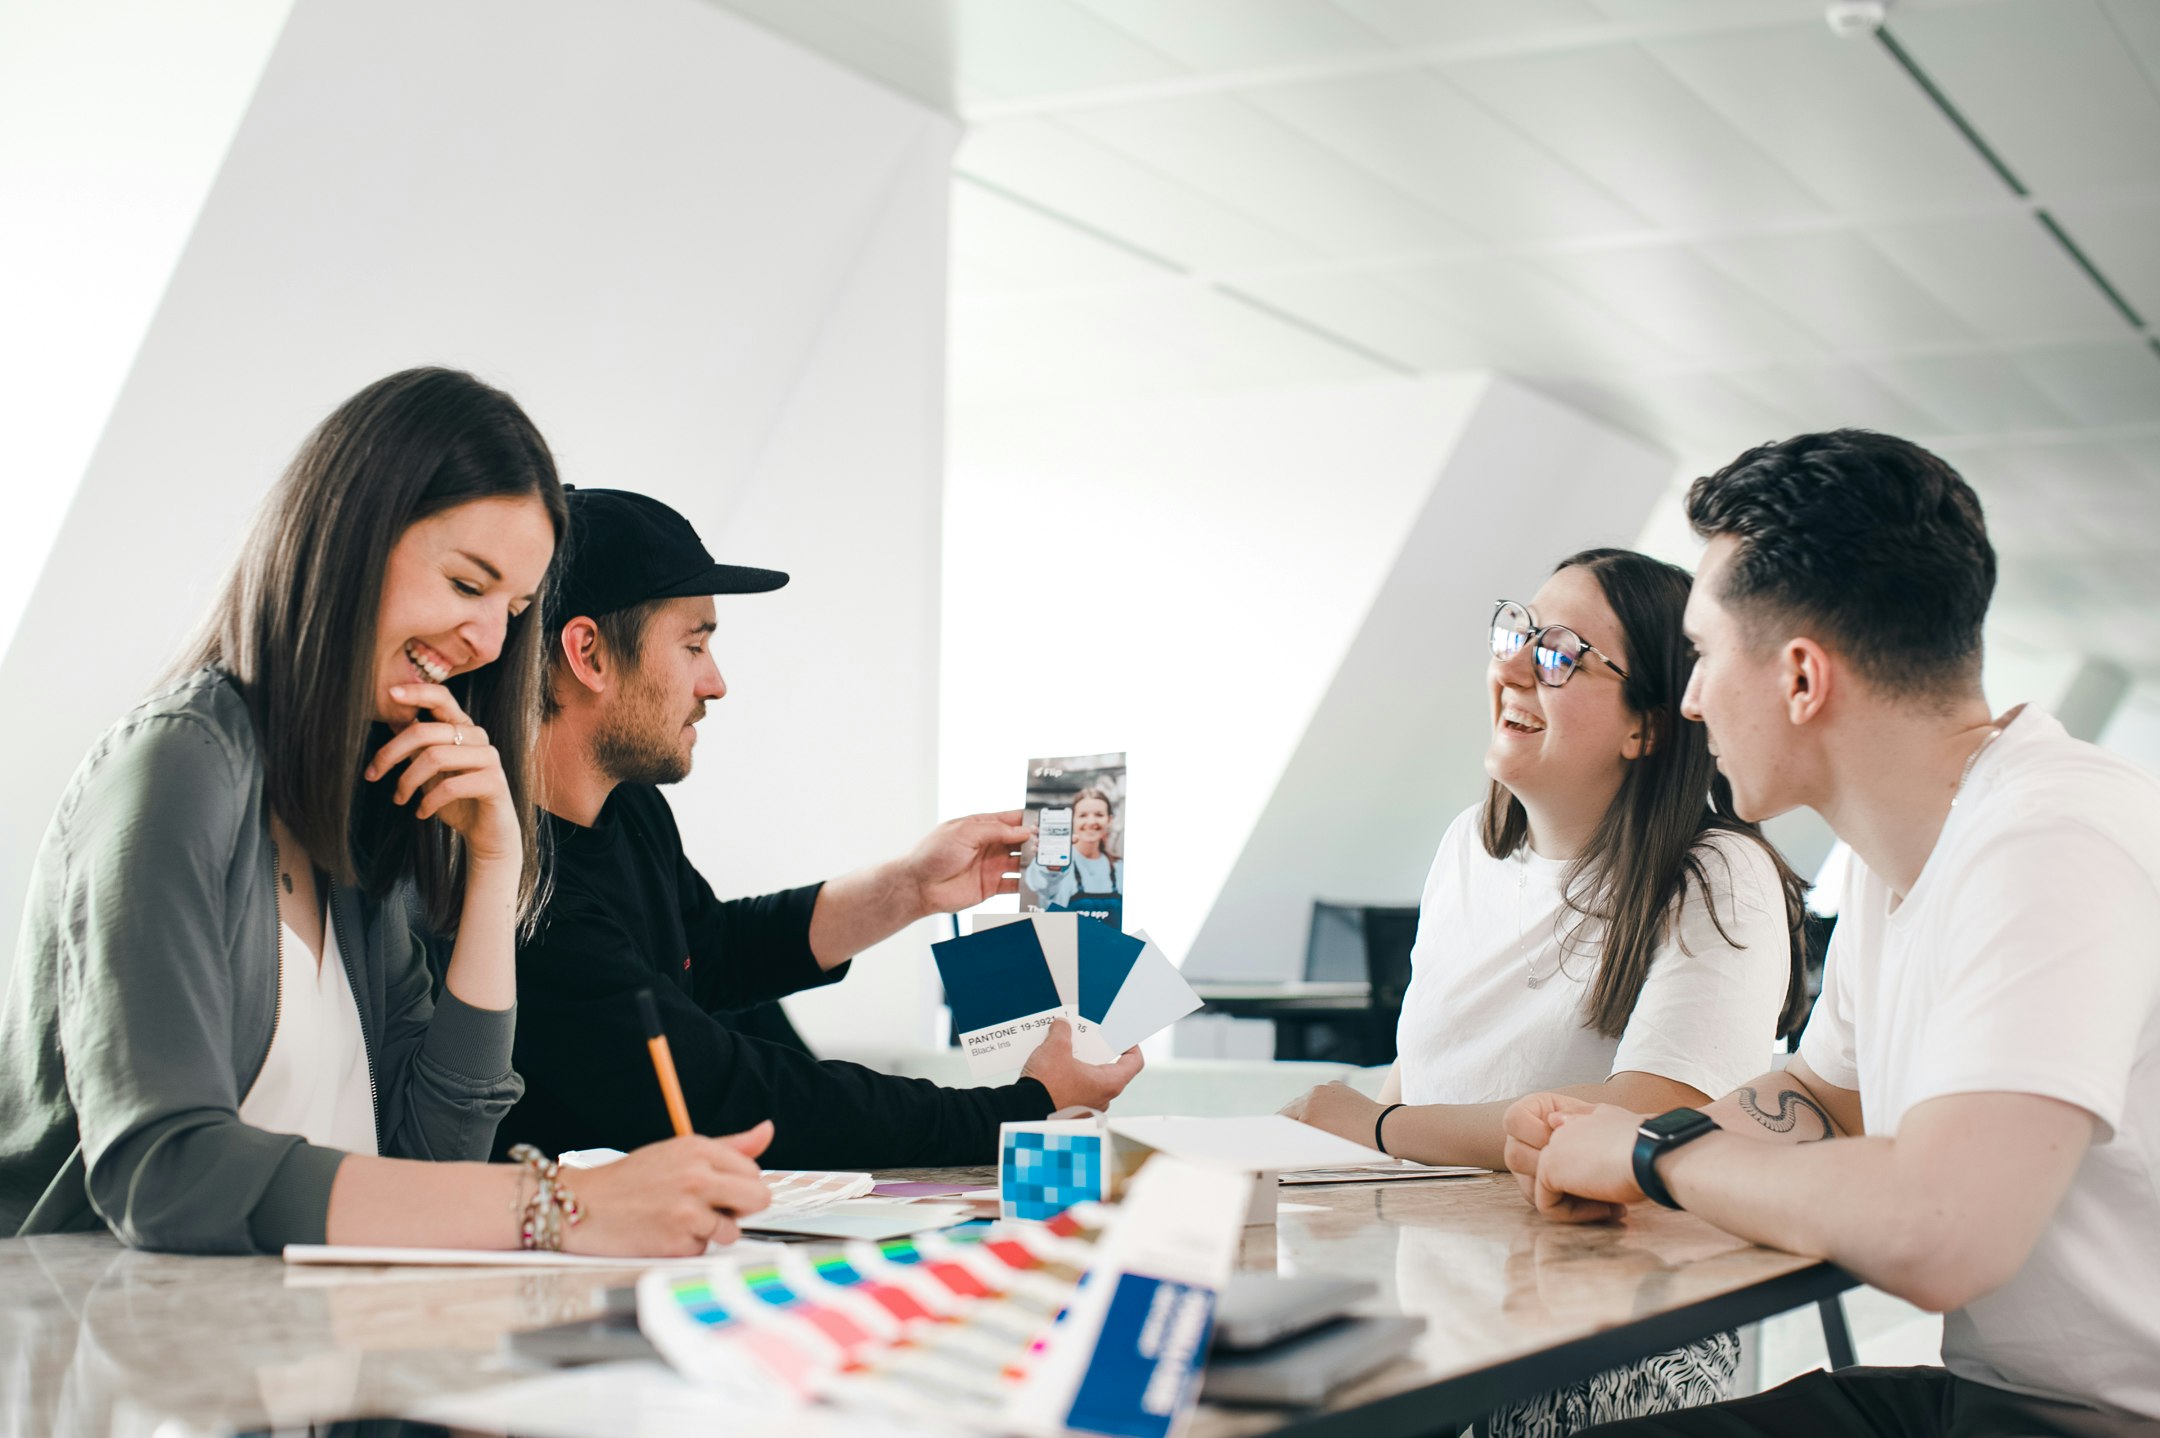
point(1396, 748)
point(710, 265)
point(114, 116)
point(1177, 576)
point(2134, 729)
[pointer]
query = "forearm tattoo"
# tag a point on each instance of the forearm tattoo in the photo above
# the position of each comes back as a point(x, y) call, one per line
point(1789, 1104)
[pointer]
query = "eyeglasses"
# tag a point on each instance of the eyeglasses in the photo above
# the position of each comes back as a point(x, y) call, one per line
point(1558, 649)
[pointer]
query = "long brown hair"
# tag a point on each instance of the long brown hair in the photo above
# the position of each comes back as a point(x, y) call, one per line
point(295, 625)
point(1632, 877)
point(1110, 830)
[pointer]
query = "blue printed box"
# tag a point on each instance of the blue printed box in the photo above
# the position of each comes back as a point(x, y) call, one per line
point(1046, 1168)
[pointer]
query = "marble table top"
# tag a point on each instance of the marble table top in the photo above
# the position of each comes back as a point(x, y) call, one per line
point(96, 1339)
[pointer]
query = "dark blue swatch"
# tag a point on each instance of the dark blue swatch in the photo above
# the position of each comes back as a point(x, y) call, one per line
point(995, 976)
point(1106, 957)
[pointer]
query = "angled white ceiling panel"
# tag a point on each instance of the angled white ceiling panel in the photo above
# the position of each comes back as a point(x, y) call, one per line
point(1456, 22)
point(1036, 47)
point(2124, 241)
point(1628, 123)
point(1709, 221)
point(2003, 275)
point(2099, 384)
point(1533, 325)
point(1696, 413)
point(1385, 320)
point(1241, 34)
point(1697, 12)
point(2138, 22)
point(1119, 195)
point(1670, 292)
point(1836, 396)
point(1418, 131)
point(1840, 287)
point(1838, 114)
point(1163, 338)
point(1000, 245)
point(903, 44)
point(1229, 151)
point(1971, 393)
point(2052, 84)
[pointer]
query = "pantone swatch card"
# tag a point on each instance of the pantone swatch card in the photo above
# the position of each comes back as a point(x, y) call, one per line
point(1104, 961)
point(1003, 999)
point(1061, 938)
point(1151, 996)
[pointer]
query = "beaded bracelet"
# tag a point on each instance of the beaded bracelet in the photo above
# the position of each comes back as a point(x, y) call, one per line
point(552, 1210)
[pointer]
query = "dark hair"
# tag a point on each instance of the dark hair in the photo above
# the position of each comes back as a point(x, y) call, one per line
point(622, 634)
point(1870, 540)
point(1632, 877)
point(295, 625)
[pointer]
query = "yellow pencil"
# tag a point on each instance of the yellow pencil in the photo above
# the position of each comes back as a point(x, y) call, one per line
point(663, 1063)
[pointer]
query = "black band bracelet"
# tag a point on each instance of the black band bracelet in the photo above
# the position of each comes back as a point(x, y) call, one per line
point(1376, 1139)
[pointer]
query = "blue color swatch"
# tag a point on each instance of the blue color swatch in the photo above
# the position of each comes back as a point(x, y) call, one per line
point(995, 976)
point(1106, 957)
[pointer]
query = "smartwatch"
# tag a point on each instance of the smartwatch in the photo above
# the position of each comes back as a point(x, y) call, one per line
point(1660, 1136)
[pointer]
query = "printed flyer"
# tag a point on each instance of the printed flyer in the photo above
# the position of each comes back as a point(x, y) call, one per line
point(1075, 864)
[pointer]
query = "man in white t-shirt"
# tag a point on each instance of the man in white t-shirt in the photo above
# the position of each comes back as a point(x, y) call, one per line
point(1984, 1061)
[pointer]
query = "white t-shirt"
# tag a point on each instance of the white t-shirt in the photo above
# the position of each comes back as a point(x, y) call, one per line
point(2024, 961)
point(1495, 1009)
point(314, 1081)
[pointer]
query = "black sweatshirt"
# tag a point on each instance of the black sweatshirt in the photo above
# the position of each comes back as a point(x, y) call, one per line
point(629, 912)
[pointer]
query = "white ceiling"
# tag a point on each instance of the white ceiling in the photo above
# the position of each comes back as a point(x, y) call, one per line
point(1710, 221)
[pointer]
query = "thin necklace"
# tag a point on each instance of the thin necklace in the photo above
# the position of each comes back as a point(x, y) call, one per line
point(1531, 977)
point(1994, 732)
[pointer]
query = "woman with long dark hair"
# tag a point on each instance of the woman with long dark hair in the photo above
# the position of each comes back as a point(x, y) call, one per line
point(1601, 924)
point(220, 1035)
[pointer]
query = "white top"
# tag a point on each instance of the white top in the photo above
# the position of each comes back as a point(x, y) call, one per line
point(315, 1081)
point(2023, 962)
point(1495, 1011)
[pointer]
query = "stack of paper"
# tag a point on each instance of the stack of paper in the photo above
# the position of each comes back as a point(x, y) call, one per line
point(1007, 981)
point(797, 1191)
point(1386, 1171)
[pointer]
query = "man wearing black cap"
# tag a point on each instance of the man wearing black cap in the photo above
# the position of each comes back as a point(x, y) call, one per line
point(630, 678)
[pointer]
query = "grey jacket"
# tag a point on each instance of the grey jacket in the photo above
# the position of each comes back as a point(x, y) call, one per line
point(145, 996)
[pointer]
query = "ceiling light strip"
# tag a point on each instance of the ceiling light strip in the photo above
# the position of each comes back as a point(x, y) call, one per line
point(1995, 162)
point(1951, 112)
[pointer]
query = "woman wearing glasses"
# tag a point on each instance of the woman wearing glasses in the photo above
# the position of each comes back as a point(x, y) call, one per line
point(1601, 924)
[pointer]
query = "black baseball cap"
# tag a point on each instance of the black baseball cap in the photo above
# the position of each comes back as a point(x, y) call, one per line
point(626, 548)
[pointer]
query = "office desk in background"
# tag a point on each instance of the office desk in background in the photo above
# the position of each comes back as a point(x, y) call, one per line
point(95, 1339)
point(1267, 1001)
point(1325, 1020)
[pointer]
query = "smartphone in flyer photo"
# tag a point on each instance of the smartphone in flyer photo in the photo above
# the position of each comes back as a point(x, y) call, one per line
point(1053, 841)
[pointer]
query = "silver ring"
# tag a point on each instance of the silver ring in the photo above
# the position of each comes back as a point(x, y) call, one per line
point(457, 735)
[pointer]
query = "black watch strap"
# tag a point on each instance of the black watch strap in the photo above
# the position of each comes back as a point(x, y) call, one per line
point(1659, 1136)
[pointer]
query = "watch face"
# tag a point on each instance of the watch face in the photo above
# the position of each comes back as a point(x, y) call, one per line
point(1676, 1124)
